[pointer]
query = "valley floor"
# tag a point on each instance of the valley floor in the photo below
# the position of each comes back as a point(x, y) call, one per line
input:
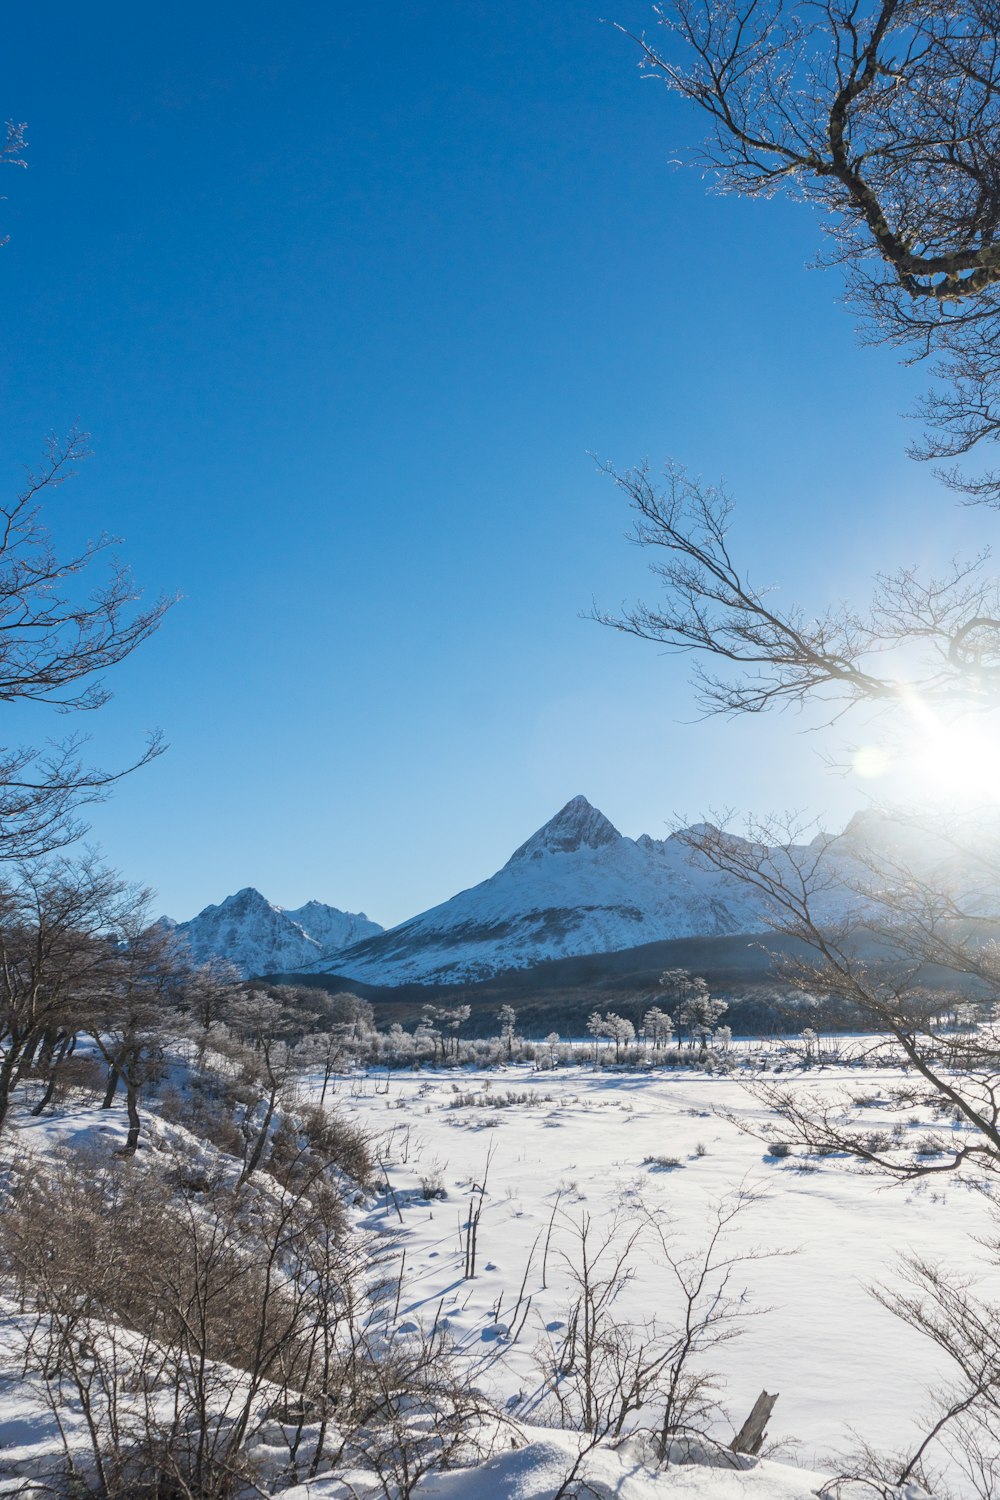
point(590, 1139)
point(556, 1149)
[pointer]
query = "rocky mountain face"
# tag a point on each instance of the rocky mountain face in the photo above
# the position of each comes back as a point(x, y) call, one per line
point(576, 886)
point(260, 938)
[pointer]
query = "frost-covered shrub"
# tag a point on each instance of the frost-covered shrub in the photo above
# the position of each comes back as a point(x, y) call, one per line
point(432, 1185)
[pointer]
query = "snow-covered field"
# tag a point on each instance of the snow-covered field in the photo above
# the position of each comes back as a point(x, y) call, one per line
point(580, 1143)
point(837, 1358)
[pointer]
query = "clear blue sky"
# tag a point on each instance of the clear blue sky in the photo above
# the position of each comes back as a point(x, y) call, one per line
point(345, 296)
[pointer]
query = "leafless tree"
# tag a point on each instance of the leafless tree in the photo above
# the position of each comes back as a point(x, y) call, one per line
point(179, 1324)
point(962, 1427)
point(902, 942)
point(178, 1314)
point(208, 990)
point(133, 1014)
point(930, 640)
point(268, 1067)
point(604, 1374)
point(853, 106)
point(60, 631)
point(55, 963)
point(886, 115)
point(418, 1412)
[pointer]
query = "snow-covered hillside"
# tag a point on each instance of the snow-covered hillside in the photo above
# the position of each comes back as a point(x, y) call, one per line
point(261, 938)
point(576, 886)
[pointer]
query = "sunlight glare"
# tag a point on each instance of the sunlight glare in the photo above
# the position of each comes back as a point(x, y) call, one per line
point(959, 763)
point(935, 761)
point(953, 762)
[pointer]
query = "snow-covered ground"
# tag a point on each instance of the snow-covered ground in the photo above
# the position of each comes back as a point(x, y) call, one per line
point(602, 1144)
point(836, 1357)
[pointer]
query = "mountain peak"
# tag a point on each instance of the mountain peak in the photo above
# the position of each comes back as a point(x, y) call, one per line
point(577, 825)
point(262, 938)
point(248, 898)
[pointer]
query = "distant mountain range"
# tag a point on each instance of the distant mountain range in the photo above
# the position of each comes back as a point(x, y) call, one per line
point(576, 887)
point(260, 938)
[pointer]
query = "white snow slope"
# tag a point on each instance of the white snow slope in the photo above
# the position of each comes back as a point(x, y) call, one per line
point(577, 886)
point(261, 938)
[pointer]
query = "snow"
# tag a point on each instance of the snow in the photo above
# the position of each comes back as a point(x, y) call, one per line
point(261, 938)
point(578, 886)
point(589, 1138)
point(838, 1359)
point(536, 1472)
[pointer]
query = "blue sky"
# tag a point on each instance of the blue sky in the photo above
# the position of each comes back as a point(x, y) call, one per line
point(345, 298)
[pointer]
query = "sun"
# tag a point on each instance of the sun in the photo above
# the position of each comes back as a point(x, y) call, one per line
point(959, 762)
point(938, 762)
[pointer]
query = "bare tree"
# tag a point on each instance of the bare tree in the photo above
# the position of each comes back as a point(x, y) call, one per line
point(133, 1013)
point(923, 645)
point(55, 963)
point(886, 115)
point(178, 1322)
point(60, 629)
point(928, 640)
point(179, 1325)
point(905, 955)
point(606, 1375)
point(207, 991)
point(268, 1067)
point(56, 642)
point(962, 1427)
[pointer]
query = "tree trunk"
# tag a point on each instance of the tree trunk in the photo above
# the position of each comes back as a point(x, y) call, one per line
point(253, 1161)
point(28, 1055)
point(112, 1089)
point(750, 1438)
point(132, 1107)
point(7, 1070)
point(64, 1050)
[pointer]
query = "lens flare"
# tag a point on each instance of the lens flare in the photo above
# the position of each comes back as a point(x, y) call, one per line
point(871, 761)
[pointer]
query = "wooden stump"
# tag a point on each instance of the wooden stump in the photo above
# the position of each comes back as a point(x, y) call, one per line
point(750, 1438)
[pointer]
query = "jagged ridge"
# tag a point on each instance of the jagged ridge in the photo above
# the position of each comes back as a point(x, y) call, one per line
point(576, 886)
point(261, 938)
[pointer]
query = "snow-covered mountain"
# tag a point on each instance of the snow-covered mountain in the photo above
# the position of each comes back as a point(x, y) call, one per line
point(576, 886)
point(261, 938)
